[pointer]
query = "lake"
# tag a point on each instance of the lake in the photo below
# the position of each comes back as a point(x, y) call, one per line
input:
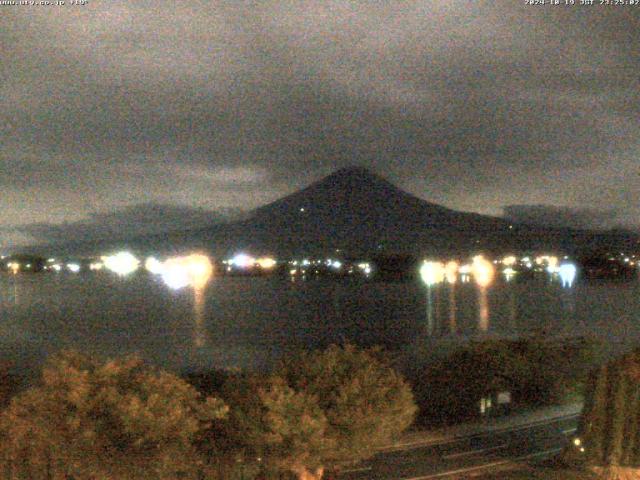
point(250, 321)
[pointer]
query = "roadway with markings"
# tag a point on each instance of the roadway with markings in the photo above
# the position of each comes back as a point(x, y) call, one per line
point(467, 455)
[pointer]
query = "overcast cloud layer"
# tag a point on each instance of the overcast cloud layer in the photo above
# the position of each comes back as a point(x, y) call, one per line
point(475, 105)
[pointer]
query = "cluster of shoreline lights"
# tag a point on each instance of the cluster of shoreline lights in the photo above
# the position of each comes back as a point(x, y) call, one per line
point(246, 262)
point(192, 270)
point(483, 271)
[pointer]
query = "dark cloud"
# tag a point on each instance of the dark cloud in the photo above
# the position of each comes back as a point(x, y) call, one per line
point(142, 219)
point(216, 104)
point(554, 216)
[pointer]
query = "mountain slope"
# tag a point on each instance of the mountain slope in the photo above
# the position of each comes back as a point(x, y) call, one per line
point(356, 210)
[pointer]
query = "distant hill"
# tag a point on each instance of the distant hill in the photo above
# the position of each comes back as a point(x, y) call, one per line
point(360, 213)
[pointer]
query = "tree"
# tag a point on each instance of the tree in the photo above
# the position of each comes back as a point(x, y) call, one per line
point(536, 371)
point(321, 409)
point(609, 430)
point(283, 428)
point(105, 420)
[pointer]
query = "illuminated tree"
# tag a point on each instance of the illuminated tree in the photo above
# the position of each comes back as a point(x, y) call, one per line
point(105, 420)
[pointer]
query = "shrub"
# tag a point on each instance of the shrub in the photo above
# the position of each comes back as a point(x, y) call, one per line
point(105, 420)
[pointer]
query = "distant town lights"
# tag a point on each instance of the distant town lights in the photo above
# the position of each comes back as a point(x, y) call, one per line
point(73, 267)
point(242, 260)
point(451, 271)
point(508, 273)
point(509, 260)
point(432, 272)
point(266, 263)
point(192, 270)
point(483, 271)
point(153, 265)
point(122, 263)
point(465, 269)
point(567, 272)
point(174, 276)
point(365, 267)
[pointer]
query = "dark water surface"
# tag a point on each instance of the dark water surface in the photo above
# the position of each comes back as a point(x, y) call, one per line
point(248, 322)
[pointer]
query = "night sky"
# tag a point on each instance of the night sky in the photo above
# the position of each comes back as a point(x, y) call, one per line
point(123, 113)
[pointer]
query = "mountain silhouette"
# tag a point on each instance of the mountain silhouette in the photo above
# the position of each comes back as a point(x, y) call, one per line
point(357, 212)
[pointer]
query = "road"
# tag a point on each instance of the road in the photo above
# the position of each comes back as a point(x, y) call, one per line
point(467, 455)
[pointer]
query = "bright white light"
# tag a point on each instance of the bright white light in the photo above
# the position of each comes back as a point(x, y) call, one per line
point(432, 272)
point(175, 276)
point(509, 260)
point(465, 269)
point(192, 270)
point(549, 260)
point(153, 265)
point(266, 263)
point(337, 264)
point(96, 266)
point(242, 260)
point(56, 267)
point(567, 273)
point(306, 262)
point(451, 271)
point(483, 271)
point(73, 267)
point(509, 273)
point(122, 263)
point(365, 267)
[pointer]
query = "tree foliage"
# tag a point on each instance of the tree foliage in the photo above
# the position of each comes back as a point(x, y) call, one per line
point(321, 408)
point(105, 420)
point(536, 371)
point(610, 424)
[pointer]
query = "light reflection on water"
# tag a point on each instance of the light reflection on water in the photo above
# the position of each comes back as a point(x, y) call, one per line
point(249, 321)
